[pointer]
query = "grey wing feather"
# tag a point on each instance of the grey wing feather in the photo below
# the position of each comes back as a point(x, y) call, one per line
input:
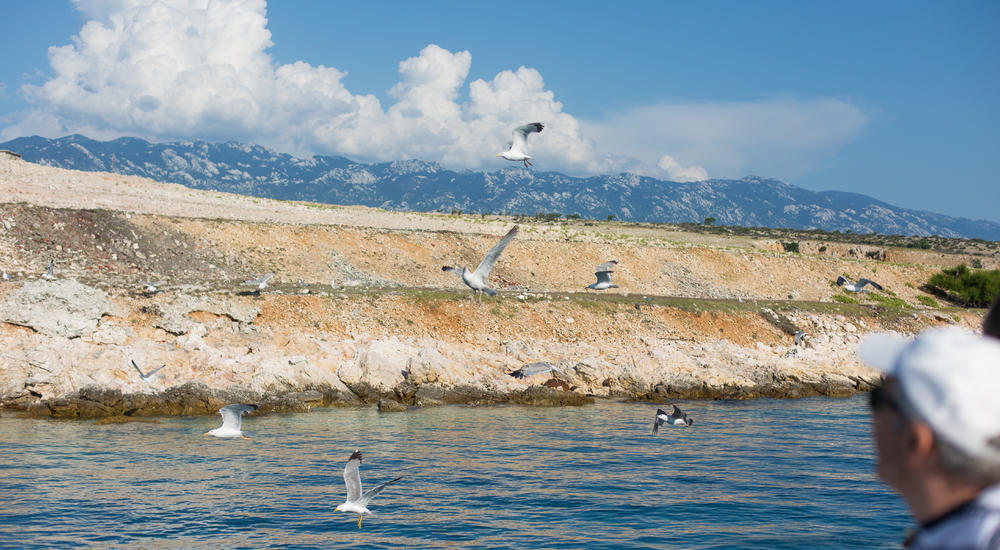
point(603, 276)
point(450, 268)
point(841, 280)
point(677, 412)
point(156, 370)
point(863, 282)
point(370, 493)
point(519, 137)
point(352, 478)
point(136, 367)
point(606, 266)
point(483, 270)
point(232, 415)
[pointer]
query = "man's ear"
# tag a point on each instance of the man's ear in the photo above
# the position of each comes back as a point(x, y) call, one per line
point(920, 443)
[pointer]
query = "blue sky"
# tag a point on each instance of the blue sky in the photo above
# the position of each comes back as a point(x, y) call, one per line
point(897, 100)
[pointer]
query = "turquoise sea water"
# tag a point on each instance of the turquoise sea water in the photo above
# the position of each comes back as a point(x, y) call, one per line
point(747, 474)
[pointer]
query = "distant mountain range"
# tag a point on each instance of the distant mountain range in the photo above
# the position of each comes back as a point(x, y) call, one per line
point(426, 186)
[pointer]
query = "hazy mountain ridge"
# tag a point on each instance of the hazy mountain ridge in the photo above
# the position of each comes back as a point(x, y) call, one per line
point(427, 186)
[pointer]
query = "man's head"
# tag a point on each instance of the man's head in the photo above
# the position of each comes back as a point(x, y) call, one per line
point(938, 412)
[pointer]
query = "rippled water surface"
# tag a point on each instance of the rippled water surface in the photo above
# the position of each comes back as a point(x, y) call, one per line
point(749, 474)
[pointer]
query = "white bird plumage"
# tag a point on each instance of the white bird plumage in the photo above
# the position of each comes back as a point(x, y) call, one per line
point(518, 148)
point(603, 273)
point(357, 501)
point(259, 282)
point(476, 280)
point(232, 420)
point(50, 273)
point(152, 286)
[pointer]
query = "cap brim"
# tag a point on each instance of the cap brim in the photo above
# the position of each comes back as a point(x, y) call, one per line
point(882, 351)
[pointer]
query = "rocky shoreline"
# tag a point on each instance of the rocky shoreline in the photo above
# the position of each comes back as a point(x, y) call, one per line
point(68, 346)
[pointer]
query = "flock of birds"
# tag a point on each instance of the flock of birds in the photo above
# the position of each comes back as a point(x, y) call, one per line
point(357, 500)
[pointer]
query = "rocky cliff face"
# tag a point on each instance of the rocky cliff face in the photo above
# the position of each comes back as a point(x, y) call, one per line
point(425, 186)
point(360, 312)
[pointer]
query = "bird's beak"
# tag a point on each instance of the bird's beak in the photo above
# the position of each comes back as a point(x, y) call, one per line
point(206, 433)
point(498, 154)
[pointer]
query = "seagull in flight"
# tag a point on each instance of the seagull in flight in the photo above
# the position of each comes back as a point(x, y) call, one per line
point(50, 273)
point(856, 287)
point(357, 501)
point(518, 148)
point(603, 273)
point(676, 418)
point(149, 377)
point(259, 282)
point(232, 420)
point(476, 280)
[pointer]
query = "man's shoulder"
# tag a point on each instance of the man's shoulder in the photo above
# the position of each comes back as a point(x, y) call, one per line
point(976, 526)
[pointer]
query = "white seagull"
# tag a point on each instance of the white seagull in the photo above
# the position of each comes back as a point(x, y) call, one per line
point(603, 273)
point(357, 501)
point(518, 148)
point(676, 418)
point(50, 273)
point(149, 377)
point(476, 280)
point(232, 420)
point(856, 287)
point(259, 282)
point(5, 276)
point(152, 286)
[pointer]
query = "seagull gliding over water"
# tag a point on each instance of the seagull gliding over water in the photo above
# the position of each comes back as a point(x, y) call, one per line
point(232, 420)
point(675, 418)
point(357, 501)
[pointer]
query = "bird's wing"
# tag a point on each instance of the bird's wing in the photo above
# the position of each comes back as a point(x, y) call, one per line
point(266, 278)
point(483, 270)
point(606, 266)
point(450, 268)
point(370, 493)
point(863, 282)
point(841, 280)
point(519, 139)
point(352, 477)
point(136, 367)
point(661, 412)
point(156, 370)
point(159, 283)
point(656, 425)
point(603, 276)
point(232, 415)
point(677, 412)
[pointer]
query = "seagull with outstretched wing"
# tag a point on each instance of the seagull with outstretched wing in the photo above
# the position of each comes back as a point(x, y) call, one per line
point(357, 501)
point(518, 148)
point(232, 420)
point(476, 280)
point(149, 377)
point(603, 273)
point(675, 418)
point(857, 287)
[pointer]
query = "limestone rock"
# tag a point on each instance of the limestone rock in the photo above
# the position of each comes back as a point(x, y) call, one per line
point(63, 307)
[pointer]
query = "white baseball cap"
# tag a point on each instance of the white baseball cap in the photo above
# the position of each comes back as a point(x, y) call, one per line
point(949, 379)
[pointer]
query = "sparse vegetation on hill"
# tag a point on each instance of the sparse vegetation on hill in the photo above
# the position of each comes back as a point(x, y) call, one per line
point(969, 287)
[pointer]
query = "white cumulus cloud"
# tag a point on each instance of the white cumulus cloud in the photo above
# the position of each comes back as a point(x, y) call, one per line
point(183, 69)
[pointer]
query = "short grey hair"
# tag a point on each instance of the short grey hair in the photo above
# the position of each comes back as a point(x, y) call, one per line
point(959, 464)
point(954, 461)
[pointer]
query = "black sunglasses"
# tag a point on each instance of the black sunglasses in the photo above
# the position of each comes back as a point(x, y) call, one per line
point(879, 398)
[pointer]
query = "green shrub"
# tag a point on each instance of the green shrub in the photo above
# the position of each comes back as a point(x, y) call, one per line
point(612, 217)
point(973, 288)
point(927, 301)
point(790, 247)
point(822, 248)
point(844, 299)
point(888, 301)
point(709, 220)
